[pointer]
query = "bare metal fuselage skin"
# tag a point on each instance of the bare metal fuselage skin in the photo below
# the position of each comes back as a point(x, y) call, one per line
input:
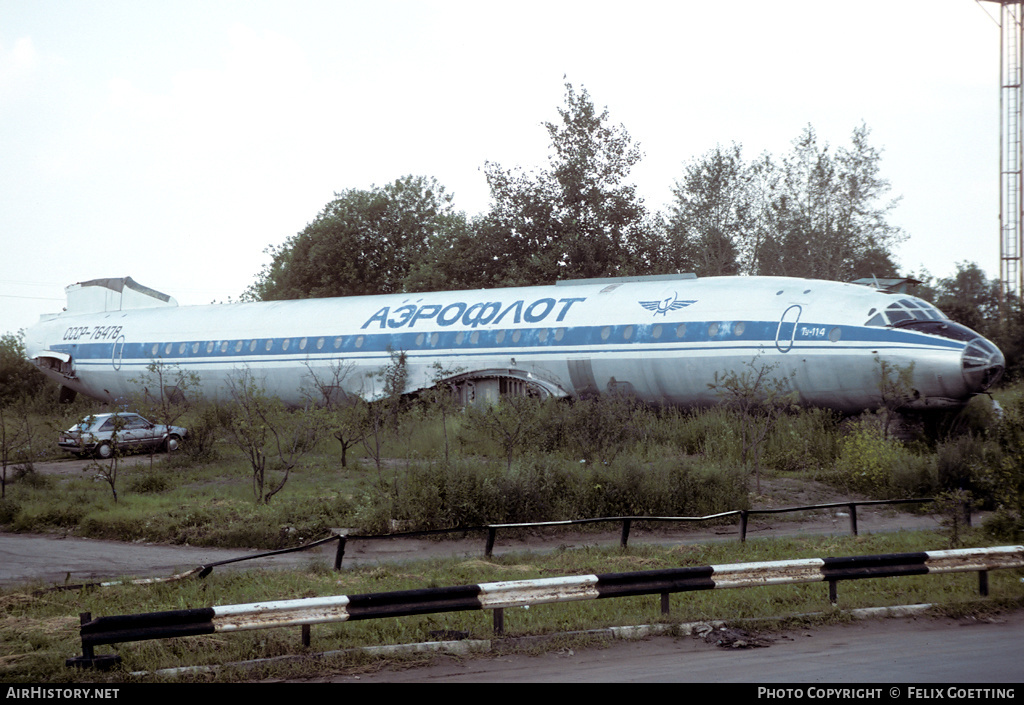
point(661, 340)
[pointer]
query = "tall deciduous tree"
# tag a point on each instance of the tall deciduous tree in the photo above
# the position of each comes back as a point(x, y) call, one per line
point(828, 213)
point(712, 219)
point(362, 242)
point(579, 217)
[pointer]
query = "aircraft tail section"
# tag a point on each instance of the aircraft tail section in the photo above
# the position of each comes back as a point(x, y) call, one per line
point(100, 295)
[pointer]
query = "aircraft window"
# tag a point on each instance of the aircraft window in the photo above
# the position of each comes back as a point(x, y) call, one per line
point(516, 335)
point(681, 330)
point(559, 333)
point(807, 291)
point(156, 349)
point(238, 346)
point(877, 320)
point(872, 312)
point(167, 350)
point(337, 342)
point(252, 345)
point(656, 333)
point(286, 343)
point(459, 337)
point(434, 338)
point(543, 335)
point(474, 337)
point(605, 332)
point(195, 348)
point(896, 316)
point(359, 341)
point(500, 336)
point(181, 348)
point(209, 347)
point(835, 334)
point(302, 344)
point(628, 333)
point(419, 339)
point(270, 344)
point(713, 330)
point(320, 343)
point(779, 292)
point(224, 347)
point(739, 328)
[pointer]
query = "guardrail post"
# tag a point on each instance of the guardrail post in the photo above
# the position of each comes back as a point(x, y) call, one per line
point(833, 591)
point(305, 635)
point(499, 620)
point(664, 603)
point(340, 553)
point(853, 518)
point(626, 523)
point(983, 583)
point(491, 532)
point(743, 525)
point(88, 659)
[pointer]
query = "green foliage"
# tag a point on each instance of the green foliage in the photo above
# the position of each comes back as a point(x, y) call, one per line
point(543, 488)
point(19, 378)
point(579, 218)
point(867, 459)
point(362, 242)
point(759, 399)
point(813, 213)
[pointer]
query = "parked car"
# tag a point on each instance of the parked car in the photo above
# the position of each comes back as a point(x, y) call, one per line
point(100, 434)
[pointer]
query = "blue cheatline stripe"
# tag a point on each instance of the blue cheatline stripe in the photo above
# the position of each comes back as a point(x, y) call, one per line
point(521, 341)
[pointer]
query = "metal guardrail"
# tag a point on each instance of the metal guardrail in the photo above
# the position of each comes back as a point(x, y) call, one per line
point(497, 596)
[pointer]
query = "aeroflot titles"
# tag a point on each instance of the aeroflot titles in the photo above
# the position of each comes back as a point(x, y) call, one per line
point(472, 315)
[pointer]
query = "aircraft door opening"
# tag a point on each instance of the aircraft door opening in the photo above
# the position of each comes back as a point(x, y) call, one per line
point(785, 335)
point(118, 352)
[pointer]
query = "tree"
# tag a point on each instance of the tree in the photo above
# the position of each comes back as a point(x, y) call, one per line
point(166, 396)
point(362, 242)
point(576, 219)
point(263, 429)
point(758, 398)
point(346, 414)
point(827, 216)
point(19, 378)
point(712, 218)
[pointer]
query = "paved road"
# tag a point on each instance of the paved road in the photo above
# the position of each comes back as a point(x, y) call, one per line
point(881, 651)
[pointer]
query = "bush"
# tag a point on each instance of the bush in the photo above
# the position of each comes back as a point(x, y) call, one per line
point(466, 493)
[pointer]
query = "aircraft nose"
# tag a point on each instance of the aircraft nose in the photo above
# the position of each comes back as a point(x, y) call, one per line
point(982, 364)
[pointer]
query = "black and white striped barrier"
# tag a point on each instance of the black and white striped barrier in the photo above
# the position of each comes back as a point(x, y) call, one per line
point(517, 593)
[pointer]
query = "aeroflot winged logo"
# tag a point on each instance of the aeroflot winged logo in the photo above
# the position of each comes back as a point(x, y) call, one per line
point(669, 303)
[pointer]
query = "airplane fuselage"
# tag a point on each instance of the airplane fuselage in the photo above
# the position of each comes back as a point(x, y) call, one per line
point(661, 340)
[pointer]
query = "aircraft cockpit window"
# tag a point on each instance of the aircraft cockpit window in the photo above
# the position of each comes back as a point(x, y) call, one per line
point(906, 309)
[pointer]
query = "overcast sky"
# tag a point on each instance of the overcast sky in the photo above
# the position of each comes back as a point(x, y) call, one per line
point(174, 141)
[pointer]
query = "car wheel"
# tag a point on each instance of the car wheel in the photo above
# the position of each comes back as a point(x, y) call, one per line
point(104, 451)
point(173, 443)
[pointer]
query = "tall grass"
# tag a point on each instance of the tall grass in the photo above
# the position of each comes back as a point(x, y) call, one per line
point(600, 457)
